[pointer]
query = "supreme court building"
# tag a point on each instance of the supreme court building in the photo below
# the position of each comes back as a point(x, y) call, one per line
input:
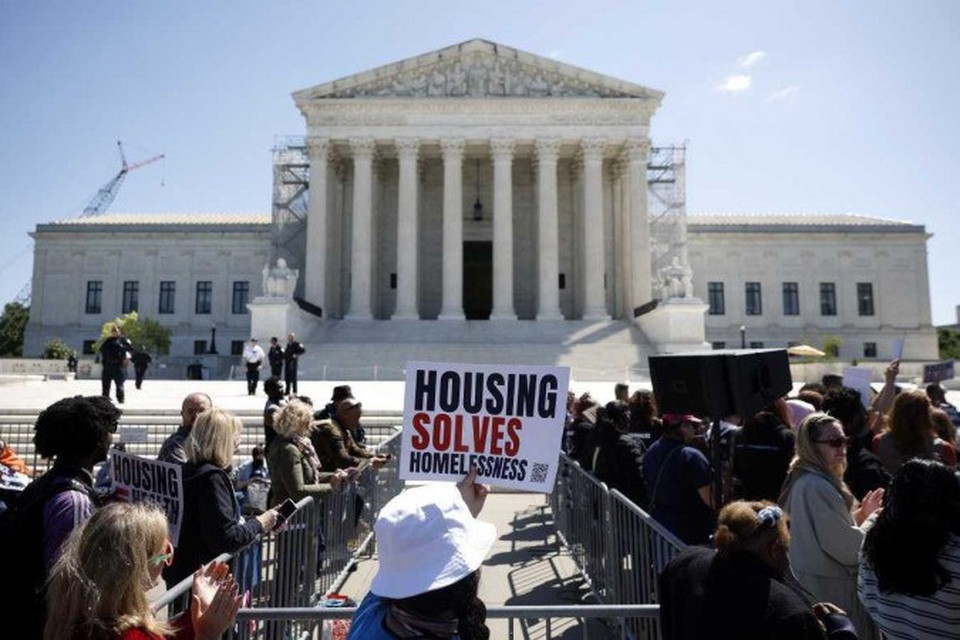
point(482, 203)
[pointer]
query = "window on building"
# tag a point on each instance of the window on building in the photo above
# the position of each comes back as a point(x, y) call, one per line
point(715, 298)
point(791, 299)
point(756, 344)
point(865, 298)
point(199, 347)
point(94, 296)
point(754, 305)
point(204, 303)
point(87, 347)
point(168, 294)
point(236, 347)
point(718, 345)
point(241, 293)
point(869, 349)
point(828, 299)
point(131, 296)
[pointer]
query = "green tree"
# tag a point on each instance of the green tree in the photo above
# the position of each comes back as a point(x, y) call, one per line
point(57, 349)
point(831, 346)
point(12, 324)
point(949, 340)
point(144, 333)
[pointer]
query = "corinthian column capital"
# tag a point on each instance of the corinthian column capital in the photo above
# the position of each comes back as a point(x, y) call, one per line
point(363, 148)
point(407, 148)
point(636, 149)
point(452, 148)
point(592, 149)
point(318, 148)
point(548, 149)
point(502, 148)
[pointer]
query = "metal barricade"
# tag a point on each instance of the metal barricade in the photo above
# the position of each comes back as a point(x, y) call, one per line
point(522, 621)
point(618, 547)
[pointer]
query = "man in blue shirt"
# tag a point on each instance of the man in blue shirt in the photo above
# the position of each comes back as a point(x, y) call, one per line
point(679, 480)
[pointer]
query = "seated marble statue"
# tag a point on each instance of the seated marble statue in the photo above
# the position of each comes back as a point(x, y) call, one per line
point(279, 281)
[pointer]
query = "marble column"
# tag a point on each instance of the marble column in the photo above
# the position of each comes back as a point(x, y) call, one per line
point(407, 151)
point(637, 151)
point(594, 307)
point(548, 249)
point(361, 246)
point(502, 151)
point(315, 263)
point(452, 307)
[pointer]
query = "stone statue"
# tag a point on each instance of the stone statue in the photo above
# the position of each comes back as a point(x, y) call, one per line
point(279, 281)
point(676, 280)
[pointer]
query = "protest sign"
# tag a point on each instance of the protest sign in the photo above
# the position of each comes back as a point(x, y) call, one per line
point(938, 371)
point(137, 479)
point(506, 419)
point(859, 378)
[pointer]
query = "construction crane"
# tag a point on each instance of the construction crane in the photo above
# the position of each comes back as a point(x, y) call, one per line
point(101, 202)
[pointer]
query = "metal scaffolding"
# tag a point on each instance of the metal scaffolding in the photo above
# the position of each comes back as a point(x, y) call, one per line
point(667, 209)
point(291, 180)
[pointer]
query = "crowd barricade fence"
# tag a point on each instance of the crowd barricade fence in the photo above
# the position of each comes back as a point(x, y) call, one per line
point(619, 548)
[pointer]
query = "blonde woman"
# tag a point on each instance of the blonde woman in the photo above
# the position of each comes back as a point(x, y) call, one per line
point(827, 525)
point(98, 587)
point(294, 466)
point(212, 523)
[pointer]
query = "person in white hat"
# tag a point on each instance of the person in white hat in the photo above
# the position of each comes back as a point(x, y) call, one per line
point(431, 546)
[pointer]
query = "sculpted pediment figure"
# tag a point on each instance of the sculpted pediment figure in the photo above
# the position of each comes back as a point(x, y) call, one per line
point(473, 69)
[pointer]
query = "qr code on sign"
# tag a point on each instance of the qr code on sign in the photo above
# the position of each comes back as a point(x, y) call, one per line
point(539, 473)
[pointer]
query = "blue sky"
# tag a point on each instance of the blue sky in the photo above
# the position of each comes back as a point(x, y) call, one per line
point(813, 106)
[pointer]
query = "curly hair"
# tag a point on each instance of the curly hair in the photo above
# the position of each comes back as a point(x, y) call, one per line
point(845, 404)
point(921, 508)
point(75, 428)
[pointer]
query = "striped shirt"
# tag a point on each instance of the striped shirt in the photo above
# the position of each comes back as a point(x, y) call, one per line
point(903, 616)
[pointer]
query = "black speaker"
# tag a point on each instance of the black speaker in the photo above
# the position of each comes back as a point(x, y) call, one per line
point(720, 383)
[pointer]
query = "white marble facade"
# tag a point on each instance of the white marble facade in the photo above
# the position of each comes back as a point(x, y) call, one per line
point(557, 157)
point(555, 154)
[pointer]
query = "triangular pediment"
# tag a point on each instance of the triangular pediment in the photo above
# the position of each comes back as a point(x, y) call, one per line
point(477, 69)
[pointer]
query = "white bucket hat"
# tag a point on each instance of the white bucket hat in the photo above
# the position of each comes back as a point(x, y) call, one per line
point(428, 539)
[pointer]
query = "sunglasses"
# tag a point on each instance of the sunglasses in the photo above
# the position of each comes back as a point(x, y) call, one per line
point(836, 443)
point(163, 558)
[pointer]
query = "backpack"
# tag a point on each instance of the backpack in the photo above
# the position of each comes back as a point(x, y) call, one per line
point(21, 538)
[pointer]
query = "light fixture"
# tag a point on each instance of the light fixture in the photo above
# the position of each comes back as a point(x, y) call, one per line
point(478, 206)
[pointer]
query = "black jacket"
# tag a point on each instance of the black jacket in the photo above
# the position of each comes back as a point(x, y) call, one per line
point(706, 596)
point(211, 521)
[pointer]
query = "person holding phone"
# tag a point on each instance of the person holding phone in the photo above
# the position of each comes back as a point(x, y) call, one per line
point(294, 466)
point(212, 523)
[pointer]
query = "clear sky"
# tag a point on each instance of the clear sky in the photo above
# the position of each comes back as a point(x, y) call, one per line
point(796, 106)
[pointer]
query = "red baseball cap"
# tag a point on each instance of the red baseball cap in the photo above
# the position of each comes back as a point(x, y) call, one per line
point(675, 419)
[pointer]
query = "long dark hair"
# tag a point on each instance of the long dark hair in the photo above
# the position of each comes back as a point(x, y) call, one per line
point(459, 599)
point(920, 509)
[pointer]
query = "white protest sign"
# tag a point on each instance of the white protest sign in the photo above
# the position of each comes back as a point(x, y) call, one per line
point(137, 479)
point(506, 419)
point(859, 378)
point(897, 351)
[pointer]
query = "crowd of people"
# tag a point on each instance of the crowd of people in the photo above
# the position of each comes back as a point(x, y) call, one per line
point(89, 558)
point(815, 517)
point(820, 460)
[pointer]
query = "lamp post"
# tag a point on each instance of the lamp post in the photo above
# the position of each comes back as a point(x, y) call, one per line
point(743, 337)
point(213, 341)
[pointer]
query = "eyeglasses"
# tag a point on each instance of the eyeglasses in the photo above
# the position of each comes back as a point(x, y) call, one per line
point(836, 443)
point(163, 558)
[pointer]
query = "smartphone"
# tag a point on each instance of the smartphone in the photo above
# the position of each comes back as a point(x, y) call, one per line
point(285, 510)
